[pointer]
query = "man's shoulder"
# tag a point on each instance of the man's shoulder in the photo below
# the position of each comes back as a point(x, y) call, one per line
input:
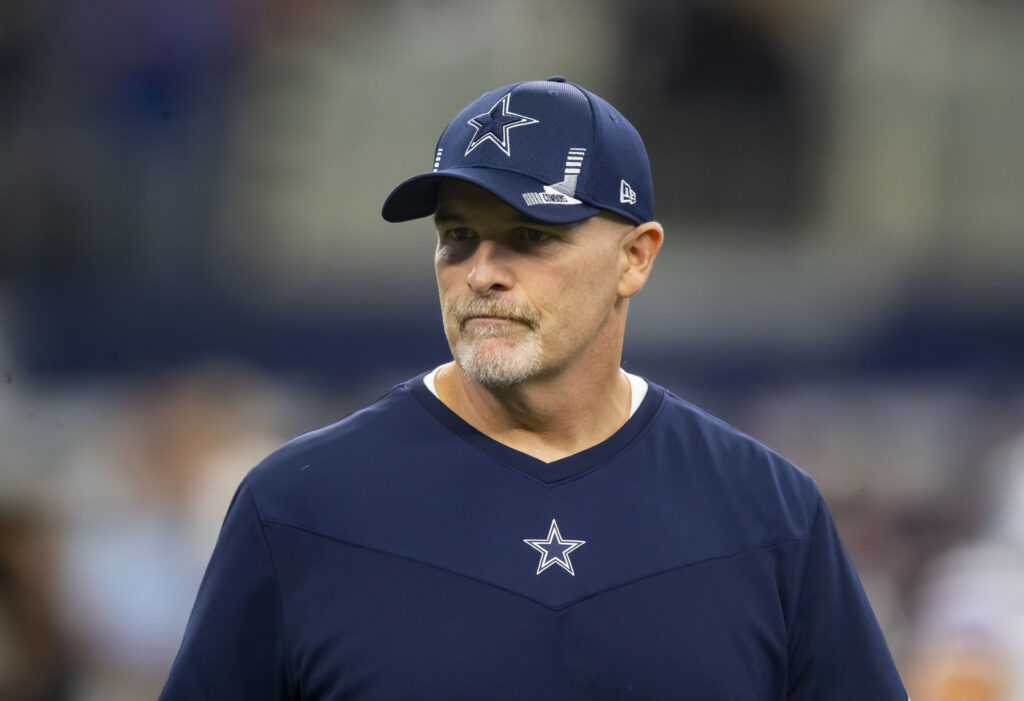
point(742, 467)
point(372, 430)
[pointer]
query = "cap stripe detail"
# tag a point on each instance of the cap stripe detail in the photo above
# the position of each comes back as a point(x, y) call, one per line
point(561, 192)
point(573, 165)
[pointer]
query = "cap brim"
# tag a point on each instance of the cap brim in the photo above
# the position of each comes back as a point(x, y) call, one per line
point(417, 196)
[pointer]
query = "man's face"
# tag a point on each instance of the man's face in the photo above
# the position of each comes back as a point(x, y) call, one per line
point(522, 299)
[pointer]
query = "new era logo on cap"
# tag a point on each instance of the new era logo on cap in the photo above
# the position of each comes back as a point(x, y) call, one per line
point(551, 149)
point(626, 194)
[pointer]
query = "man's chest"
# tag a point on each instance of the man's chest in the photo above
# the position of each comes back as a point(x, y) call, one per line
point(361, 623)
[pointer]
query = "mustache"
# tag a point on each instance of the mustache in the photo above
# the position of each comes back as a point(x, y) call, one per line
point(505, 309)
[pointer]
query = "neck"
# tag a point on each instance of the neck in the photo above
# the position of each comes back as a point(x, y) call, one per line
point(548, 418)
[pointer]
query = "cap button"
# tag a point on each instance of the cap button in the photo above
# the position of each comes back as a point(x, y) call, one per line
point(556, 79)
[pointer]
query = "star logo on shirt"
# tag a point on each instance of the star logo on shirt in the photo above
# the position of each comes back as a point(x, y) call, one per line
point(495, 124)
point(554, 550)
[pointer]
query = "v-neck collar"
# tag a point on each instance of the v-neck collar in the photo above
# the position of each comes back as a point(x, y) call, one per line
point(548, 472)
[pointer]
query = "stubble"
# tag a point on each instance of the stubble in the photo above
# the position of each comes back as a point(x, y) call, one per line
point(496, 355)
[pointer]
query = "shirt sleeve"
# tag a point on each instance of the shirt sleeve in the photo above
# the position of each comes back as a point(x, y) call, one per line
point(836, 647)
point(233, 647)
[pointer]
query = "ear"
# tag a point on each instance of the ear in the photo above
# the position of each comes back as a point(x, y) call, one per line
point(638, 250)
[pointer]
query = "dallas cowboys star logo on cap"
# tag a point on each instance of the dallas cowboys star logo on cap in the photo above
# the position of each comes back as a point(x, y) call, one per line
point(495, 124)
point(554, 550)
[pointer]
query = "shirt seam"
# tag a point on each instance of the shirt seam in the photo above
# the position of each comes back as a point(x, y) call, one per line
point(292, 677)
point(555, 608)
point(807, 566)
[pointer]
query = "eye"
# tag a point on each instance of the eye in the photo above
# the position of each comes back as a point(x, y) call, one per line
point(460, 233)
point(535, 235)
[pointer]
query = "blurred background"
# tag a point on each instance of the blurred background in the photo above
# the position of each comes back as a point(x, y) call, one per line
point(193, 269)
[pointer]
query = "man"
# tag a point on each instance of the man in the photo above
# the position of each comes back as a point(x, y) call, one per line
point(529, 521)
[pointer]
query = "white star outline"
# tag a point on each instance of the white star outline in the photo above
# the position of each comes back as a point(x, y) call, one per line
point(503, 144)
point(541, 545)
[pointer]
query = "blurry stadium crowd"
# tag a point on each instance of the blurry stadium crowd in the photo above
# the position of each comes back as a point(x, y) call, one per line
point(189, 193)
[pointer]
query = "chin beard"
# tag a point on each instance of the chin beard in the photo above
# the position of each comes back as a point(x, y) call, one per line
point(498, 361)
point(497, 357)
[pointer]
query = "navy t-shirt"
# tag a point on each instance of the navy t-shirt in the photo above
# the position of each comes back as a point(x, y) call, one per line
point(402, 554)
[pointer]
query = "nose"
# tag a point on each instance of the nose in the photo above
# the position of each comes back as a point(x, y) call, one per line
point(489, 271)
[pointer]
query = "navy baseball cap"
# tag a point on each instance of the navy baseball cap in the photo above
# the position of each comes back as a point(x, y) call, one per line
point(552, 150)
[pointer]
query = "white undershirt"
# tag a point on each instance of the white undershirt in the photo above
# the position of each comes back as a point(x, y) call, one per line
point(637, 388)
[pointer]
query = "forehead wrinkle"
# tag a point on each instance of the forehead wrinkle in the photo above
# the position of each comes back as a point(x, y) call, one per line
point(524, 220)
point(460, 203)
point(477, 217)
point(503, 212)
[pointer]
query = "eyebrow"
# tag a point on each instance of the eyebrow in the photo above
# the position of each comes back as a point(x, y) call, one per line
point(446, 216)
